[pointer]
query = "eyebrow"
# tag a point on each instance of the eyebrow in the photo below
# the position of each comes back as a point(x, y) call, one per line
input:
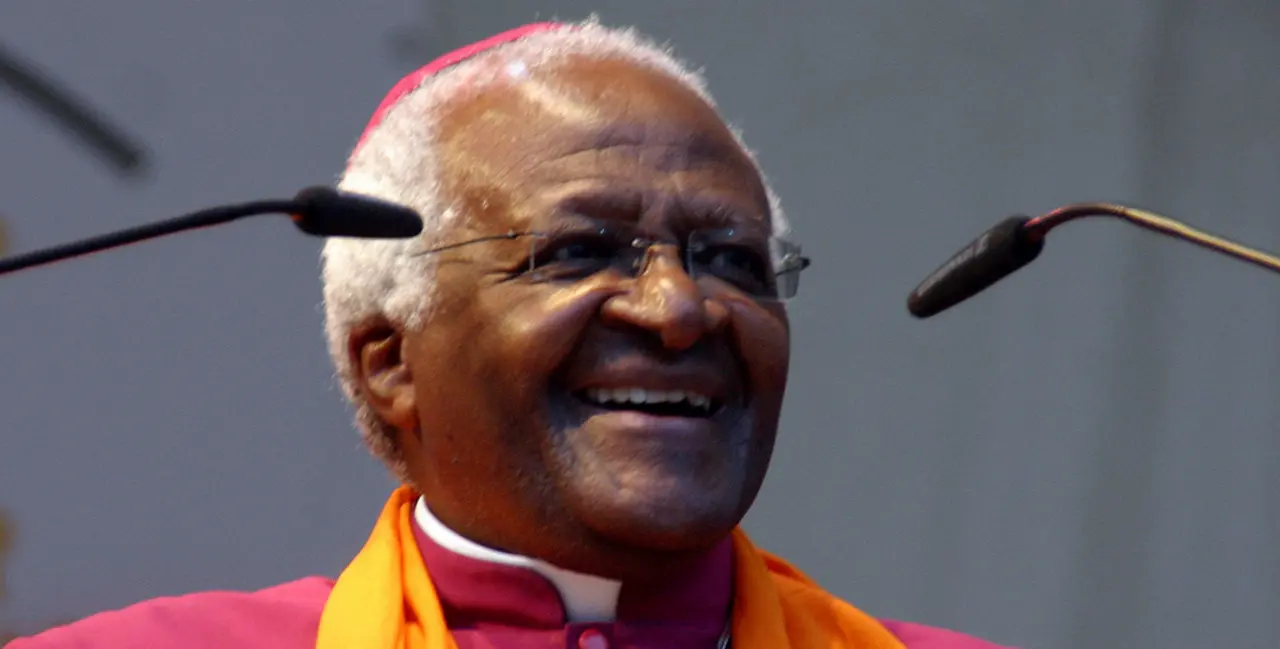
point(608, 204)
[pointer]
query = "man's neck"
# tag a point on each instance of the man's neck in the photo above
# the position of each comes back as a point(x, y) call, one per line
point(586, 598)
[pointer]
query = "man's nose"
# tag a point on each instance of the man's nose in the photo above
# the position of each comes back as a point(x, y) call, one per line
point(667, 301)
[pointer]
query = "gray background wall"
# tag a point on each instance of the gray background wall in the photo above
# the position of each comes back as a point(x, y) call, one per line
point(1085, 456)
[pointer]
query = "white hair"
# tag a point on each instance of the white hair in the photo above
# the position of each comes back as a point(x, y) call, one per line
point(397, 160)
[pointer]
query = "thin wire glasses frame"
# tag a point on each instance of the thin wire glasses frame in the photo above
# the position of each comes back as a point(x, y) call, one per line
point(774, 277)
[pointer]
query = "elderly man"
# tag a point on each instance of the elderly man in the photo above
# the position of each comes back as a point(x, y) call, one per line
point(576, 371)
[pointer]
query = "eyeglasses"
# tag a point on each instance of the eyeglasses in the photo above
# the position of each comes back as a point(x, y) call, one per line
point(763, 267)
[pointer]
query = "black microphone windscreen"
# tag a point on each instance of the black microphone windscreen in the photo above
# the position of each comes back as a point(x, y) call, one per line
point(997, 253)
point(326, 212)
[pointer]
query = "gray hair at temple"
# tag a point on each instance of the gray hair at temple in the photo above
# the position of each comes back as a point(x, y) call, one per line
point(397, 161)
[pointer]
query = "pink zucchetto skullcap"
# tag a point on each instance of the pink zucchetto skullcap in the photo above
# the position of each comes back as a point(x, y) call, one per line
point(416, 78)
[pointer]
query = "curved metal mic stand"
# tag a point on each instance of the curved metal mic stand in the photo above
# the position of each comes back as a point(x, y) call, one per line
point(122, 153)
point(1038, 227)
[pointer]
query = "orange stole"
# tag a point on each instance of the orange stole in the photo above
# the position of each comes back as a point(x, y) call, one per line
point(385, 599)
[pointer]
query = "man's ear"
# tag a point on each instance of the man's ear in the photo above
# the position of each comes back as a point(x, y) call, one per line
point(382, 373)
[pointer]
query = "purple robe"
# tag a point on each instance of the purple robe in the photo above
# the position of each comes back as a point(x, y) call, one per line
point(486, 606)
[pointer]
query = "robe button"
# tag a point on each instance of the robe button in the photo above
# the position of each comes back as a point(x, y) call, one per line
point(592, 639)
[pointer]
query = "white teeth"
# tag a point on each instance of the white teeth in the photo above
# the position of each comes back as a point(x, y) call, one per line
point(641, 395)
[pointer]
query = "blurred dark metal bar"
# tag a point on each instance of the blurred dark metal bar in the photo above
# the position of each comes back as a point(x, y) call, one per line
point(122, 153)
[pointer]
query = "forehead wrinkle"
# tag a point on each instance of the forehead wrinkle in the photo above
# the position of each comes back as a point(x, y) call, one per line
point(676, 147)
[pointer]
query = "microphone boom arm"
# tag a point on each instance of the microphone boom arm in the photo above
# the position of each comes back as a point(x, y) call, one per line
point(1018, 240)
point(201, 219)
point(318, 211)
point(1040, 226)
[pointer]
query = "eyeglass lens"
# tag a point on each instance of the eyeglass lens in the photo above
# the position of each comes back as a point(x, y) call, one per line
point(742, 260)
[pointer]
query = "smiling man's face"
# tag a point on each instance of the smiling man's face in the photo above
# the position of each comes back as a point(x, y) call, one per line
point(598, 418)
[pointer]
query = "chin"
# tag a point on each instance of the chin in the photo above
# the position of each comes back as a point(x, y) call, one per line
point(658, 481)
point(663, 519)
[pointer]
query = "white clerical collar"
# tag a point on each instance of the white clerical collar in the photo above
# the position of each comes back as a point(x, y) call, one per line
point(586, 598)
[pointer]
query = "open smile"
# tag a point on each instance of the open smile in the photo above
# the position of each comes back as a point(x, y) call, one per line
point(634, 393)
point(654, 402)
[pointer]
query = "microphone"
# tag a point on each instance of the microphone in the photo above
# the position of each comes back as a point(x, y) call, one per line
point(318, 211)
point(1018, 240)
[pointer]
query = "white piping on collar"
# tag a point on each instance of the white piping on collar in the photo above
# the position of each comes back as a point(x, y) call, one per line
point(586, 598)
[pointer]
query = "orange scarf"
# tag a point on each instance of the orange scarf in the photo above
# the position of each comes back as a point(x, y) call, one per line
point(385, 600)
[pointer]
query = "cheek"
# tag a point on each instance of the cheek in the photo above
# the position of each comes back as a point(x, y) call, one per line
point(458, 363)
point(546, 325)
point(762, 335)
point(483, 363)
